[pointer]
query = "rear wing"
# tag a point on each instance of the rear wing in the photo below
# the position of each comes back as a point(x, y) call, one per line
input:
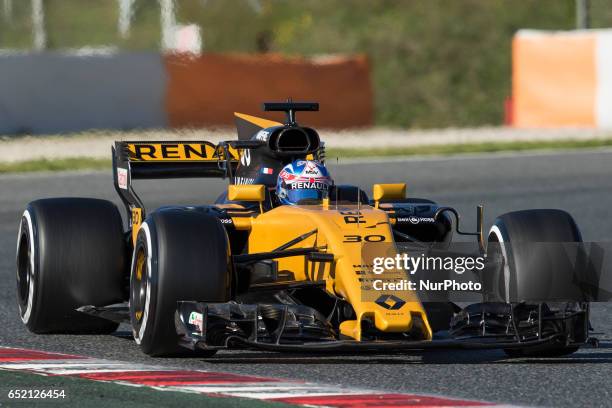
point(170, 159)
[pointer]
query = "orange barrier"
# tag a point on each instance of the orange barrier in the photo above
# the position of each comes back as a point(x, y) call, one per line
point(554, 79)
point(206, 90)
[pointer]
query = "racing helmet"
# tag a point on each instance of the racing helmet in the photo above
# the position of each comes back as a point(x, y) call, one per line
point(303, 182)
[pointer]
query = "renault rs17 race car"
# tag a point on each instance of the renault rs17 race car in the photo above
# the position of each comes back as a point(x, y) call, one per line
point(285, 258)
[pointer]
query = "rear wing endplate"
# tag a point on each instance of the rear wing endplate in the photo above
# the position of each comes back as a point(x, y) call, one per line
point(168, 159)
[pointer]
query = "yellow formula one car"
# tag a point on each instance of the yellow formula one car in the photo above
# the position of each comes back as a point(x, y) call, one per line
point(283, 260)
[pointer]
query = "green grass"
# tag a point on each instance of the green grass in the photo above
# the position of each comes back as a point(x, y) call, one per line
point(86, 393)
point(487, 147)
point(76, 163)
point(85, 163)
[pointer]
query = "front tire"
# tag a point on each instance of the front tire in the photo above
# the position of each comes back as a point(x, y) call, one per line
point(527, 271)
point(180, 254)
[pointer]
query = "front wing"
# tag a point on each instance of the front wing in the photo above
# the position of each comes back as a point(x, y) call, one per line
point(282, 327)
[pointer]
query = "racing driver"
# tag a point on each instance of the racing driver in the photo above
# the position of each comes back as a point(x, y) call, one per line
point(303, 182)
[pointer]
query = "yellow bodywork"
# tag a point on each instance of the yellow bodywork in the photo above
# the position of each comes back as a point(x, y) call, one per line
point(246, 192)
point(341, 232)
point(136, 222)
point(388, 191)
point(261, 122)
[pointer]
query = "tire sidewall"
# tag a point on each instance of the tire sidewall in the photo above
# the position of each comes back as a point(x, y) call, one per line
point(499, 232)
point(147, 242)
point(517, 233)
point(29, 231)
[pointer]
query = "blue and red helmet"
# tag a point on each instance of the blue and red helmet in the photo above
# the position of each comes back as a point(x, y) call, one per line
point(303, 182)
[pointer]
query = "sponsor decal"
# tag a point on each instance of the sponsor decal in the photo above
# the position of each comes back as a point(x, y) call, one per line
point(262, 135)
point(156, 152)
point(352, 217)
point(196, 319)
point(267, 170)
point(122, 178)
point(245, 158)
point(244, 180)
point(416, 220)
point(298, 185)
point(285, 175)
point(390, 302)
point(311, 169)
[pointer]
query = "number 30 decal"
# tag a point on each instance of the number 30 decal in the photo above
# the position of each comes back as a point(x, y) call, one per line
point(367, 238)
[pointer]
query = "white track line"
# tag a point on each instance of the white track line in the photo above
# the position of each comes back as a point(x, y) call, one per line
point(213, 383)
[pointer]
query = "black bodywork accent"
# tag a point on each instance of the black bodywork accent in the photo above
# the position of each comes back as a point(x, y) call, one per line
point(290, 108)
point(416, 219)
point(280, 146)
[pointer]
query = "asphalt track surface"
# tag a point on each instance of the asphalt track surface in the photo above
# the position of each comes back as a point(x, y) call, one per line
point(579, 182)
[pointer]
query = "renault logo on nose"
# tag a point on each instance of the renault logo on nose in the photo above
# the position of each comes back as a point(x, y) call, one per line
point(390, 302)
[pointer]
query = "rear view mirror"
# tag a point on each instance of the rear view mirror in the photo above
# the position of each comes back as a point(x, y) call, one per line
point(388, 192)
point(247, 192)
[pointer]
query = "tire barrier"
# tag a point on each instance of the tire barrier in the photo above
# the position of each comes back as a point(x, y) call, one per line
point(562, 78)
point(206, 90)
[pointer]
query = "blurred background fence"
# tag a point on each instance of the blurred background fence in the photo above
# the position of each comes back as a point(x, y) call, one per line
point(397, 63)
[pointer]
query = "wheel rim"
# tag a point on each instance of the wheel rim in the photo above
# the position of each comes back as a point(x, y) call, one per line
point(24, 270)
point(139, 288)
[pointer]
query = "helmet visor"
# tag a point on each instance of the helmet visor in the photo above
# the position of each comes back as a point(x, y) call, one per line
point(306, 196)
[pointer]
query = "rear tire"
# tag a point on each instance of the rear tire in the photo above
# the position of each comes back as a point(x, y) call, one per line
point(180, 254)
point(520, 278)
point(71, 252)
